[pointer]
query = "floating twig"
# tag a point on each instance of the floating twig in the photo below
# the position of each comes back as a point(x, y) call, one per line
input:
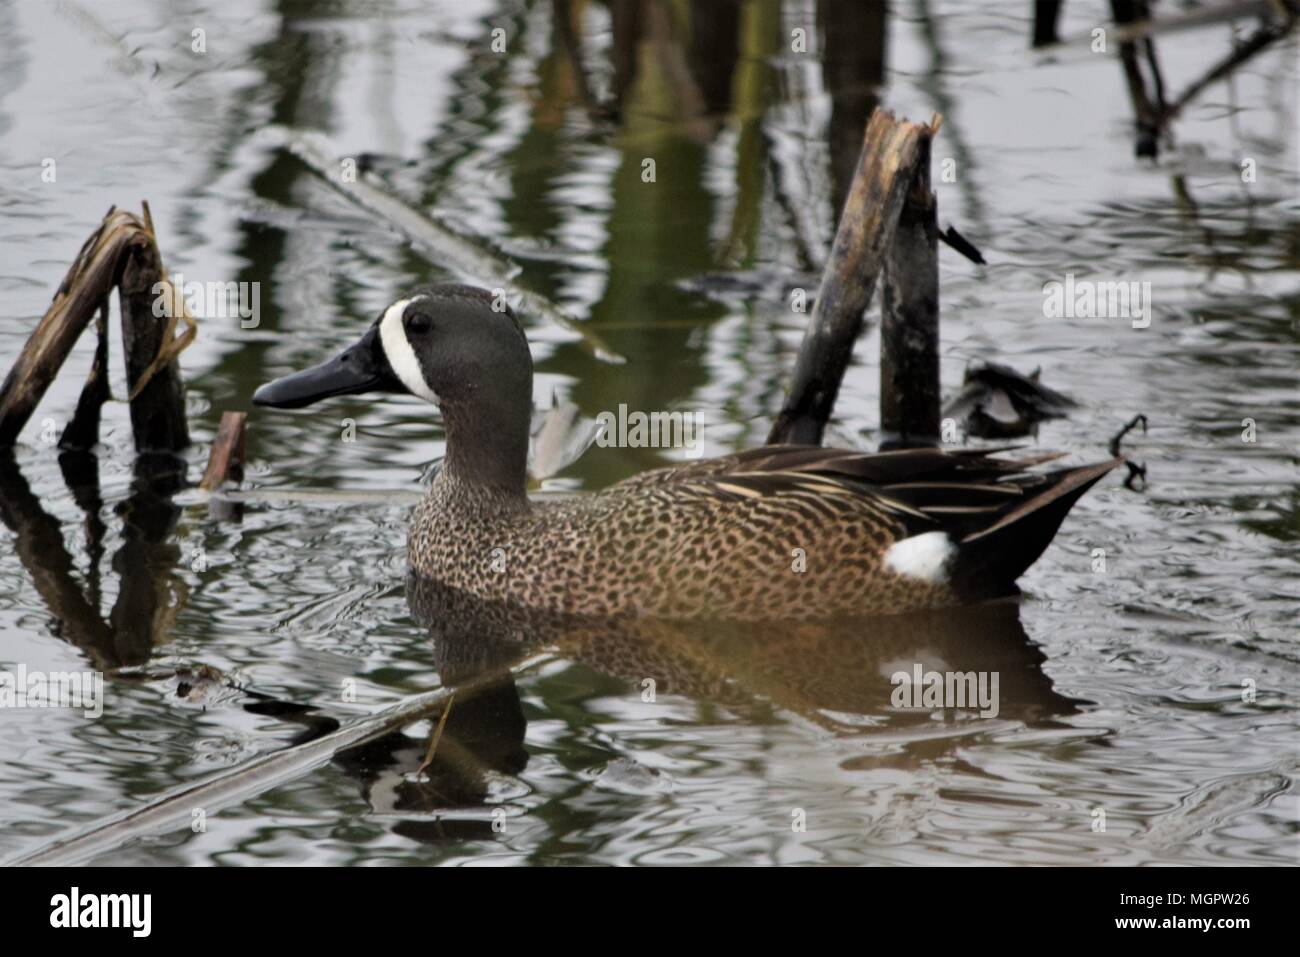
point(1136, 472)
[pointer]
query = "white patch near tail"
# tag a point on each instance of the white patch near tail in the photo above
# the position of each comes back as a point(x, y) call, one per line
point(924, 556)
point(392, 334)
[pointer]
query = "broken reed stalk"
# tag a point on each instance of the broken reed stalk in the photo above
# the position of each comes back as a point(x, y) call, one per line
point(83, 431)
point(226, 465)
point(885, 173)
point(121, 252)
point(84, 289)
point(226, 461)
point(909, 328)
point(152, 372)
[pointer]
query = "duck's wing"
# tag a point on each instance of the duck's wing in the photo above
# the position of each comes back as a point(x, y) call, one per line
point(880, 469)
point(998, 513)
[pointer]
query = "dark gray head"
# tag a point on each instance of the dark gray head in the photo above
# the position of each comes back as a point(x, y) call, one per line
point(457, 346)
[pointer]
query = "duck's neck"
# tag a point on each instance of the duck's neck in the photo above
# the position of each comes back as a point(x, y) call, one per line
point(487, 451)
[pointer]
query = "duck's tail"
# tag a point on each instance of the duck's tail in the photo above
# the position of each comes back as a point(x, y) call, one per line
point(988, 560)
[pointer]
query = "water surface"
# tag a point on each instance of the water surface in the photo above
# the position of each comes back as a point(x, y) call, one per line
point(1122, 688)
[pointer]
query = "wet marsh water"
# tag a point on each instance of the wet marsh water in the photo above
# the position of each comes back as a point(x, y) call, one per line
point(1121, 689)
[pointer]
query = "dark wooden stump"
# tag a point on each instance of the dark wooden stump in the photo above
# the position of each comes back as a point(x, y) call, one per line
point(909, 329)
point(886, 172)
point(153, 373)
point(83, 431)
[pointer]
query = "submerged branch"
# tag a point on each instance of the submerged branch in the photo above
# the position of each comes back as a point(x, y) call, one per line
point(232, 786)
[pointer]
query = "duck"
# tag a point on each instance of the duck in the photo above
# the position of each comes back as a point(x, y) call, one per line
point(768, 533)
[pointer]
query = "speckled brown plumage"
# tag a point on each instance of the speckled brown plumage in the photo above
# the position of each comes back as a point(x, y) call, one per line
point(722, 537)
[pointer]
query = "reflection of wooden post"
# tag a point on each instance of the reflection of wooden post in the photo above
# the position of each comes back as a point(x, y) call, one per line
point(1146, 114)
point(1046, 13)
point(627, 23)
point(886, 172)
point(38, 544)
point(909, 330)
point(853, 70)
point(151, 593)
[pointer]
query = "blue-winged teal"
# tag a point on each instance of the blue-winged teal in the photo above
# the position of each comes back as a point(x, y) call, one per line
point(774, 532)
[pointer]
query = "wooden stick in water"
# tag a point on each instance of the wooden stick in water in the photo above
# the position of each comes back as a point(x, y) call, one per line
point(226, 460)
point(885, 173)
point(83, 431)
point(121, 252)
point(85, 287)
point(909, 329)
point(153, 372)
point(469, 257)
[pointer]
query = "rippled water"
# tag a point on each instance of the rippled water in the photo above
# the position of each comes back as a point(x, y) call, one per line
point(1122, 689)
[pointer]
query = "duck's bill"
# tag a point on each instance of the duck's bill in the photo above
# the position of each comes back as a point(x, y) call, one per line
point(360, 368)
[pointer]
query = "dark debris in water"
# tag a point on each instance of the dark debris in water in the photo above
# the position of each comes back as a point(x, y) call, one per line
point(1137, 473)
point(996, 401)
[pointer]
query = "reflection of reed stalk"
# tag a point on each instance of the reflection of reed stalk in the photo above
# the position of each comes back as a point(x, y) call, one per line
point(437, 736)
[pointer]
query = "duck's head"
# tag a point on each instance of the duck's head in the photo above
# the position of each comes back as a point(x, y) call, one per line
point(457, 346)
point(448, 344)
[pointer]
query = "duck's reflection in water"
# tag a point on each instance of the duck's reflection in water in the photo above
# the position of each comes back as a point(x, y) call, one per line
point(837, 674)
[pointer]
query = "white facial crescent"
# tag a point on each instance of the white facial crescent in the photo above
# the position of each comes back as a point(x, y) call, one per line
point(392, 335)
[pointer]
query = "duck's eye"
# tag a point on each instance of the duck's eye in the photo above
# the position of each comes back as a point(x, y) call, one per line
point(418, 322)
